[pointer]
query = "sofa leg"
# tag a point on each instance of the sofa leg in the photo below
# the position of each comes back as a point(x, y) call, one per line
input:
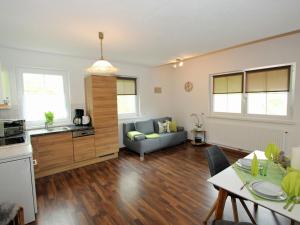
point(142, 156)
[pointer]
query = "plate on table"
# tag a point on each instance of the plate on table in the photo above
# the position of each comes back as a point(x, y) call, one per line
point(245, 163)
point(267, 190)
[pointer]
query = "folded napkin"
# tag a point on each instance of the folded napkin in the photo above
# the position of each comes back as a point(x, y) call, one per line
point(291, 184)
point(272, 152)
point(254, 166)
point(132, 134)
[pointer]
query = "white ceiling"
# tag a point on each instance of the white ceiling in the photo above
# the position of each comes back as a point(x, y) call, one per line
point(148, 32)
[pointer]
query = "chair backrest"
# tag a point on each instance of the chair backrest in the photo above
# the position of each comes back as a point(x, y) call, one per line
point(217, 160)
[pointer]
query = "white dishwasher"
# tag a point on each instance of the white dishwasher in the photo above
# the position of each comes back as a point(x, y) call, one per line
point(17, 185)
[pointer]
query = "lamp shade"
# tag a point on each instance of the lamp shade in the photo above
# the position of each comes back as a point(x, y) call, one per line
point(101, 67)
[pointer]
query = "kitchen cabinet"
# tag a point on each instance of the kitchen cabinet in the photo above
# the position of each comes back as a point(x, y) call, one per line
point(55, 153)
point(101, 105)
point(17, 185)
point(84, 148)
point(4, 88)
point(52, 151)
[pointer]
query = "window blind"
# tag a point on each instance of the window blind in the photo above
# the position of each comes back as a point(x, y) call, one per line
point(268, 80)
point(126, 86)
point(229, 83)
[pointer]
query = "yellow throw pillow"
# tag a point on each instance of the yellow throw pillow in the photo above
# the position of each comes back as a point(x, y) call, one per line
point(173, 126)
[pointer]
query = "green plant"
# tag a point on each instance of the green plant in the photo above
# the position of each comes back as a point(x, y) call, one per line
point(49, 116)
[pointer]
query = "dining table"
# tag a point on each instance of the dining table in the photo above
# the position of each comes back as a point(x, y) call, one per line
point(229, 181)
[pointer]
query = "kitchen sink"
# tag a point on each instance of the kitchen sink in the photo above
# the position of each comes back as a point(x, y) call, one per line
point(59, 129)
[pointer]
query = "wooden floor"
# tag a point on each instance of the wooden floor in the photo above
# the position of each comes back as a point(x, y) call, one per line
point(168, 187)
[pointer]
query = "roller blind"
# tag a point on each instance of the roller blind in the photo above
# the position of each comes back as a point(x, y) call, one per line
point(229, 83)
point(126, 86)
point(268, 80)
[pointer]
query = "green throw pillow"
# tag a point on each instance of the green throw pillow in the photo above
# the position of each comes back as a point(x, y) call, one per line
point(173, 126)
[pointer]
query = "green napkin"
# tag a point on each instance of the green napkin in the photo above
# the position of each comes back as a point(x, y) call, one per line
point(291, 184)
point(254, 166)
point(132, 134)
point(272, 152)
point(152, 136)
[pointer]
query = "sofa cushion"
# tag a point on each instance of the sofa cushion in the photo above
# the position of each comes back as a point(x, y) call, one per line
point(163, 127)
point(155, 122)
point(145, 127)
point(132, 134)
point(140, 137)
point(173, 126)
point(171, 139)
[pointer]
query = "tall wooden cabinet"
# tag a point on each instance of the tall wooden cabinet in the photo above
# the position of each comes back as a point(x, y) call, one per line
point(101, 105)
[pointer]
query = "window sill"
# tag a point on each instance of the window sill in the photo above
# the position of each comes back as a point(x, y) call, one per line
point(253, 119)
point(122, 117)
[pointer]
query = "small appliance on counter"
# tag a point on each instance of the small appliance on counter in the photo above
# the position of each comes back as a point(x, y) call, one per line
point(12, 132)
point(86, 120)
point(78, 117)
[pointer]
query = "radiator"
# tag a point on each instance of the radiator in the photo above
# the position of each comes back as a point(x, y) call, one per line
point(245, 137)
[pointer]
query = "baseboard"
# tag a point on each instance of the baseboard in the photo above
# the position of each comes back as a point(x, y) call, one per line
point(229, 148)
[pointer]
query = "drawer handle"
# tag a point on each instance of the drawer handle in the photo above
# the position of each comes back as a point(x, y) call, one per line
point(34, 162)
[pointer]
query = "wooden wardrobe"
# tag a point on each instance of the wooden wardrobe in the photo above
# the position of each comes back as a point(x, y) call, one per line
point(101, 106)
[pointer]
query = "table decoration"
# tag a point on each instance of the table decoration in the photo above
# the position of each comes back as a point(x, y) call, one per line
point(272, 152)
point(291, 185)
point(254, 166)
point(275, 175)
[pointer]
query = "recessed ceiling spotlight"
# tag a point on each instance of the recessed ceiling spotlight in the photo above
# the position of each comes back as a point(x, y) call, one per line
point(178, 63)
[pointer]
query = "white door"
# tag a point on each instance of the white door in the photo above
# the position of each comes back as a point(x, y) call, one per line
point(16, 186)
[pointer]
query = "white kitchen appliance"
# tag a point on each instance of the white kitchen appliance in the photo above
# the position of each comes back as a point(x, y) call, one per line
point(86, 120)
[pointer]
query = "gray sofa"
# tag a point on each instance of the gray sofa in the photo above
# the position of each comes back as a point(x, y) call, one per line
point(150, 145)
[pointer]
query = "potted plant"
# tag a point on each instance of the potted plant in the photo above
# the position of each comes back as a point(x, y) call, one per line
point(49, 119)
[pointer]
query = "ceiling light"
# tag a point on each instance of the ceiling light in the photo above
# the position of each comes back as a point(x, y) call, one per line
point(101, 66)
point(178, 63)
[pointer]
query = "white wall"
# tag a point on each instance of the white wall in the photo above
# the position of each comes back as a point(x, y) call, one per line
point(151, 104)
point(197, 70)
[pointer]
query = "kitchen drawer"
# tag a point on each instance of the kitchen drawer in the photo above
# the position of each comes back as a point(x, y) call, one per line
point(106, 149)
point(50, 139)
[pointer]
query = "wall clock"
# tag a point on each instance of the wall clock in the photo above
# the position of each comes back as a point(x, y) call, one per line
point(188, 86)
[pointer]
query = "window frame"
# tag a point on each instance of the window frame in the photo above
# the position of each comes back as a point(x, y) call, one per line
point(137, 99)
point(244, 102)
point(66, 85)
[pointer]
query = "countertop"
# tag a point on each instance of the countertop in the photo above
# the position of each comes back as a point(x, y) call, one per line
point(16, 151)
point(54, 130)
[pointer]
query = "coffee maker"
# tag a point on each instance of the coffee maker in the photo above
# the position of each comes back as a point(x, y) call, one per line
point(78, 117)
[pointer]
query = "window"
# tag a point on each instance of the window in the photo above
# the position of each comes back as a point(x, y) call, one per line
point(127, 96)
point(227, 93)
point(267, 91)
point(254, 92)
point(43, 91)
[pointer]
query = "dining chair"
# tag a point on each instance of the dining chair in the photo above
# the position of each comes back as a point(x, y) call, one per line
point(217, 162)
point(11, 214)
point(225, 222)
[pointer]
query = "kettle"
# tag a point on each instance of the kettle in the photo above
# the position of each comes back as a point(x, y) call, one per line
point(86, 120)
